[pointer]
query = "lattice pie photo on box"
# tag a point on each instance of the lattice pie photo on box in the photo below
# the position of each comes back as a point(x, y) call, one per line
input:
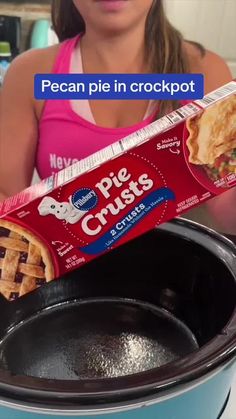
point(25, 262)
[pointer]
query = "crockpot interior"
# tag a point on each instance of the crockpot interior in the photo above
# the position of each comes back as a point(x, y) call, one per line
point(169, 272)
point(95, 339)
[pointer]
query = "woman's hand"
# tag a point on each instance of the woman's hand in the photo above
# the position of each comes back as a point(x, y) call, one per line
point(223, 210)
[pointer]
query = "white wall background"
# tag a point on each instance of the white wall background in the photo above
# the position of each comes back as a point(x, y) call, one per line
point(210, 22)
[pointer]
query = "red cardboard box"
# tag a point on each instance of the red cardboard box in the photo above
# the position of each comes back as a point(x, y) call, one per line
point(118, 193)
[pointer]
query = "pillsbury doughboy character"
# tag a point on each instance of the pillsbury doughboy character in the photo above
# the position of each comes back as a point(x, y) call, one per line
point(61, 210)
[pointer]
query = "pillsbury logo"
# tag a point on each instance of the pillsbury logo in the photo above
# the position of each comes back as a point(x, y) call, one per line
point(85, 199)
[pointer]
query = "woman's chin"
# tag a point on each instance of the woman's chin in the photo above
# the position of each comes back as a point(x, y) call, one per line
point(113, 27)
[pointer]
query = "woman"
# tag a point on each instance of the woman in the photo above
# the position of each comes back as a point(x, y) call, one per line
point(100, 36)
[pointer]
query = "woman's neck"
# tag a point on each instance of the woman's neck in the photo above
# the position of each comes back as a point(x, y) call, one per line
point(124, 53)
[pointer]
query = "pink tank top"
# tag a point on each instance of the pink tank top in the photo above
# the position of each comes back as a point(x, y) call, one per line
point(66, 137)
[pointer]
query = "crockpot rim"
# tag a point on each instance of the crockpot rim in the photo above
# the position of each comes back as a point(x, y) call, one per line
point(141, 399)
point(199, 363)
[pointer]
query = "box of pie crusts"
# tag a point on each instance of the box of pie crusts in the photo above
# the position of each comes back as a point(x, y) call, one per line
point(118, 193)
